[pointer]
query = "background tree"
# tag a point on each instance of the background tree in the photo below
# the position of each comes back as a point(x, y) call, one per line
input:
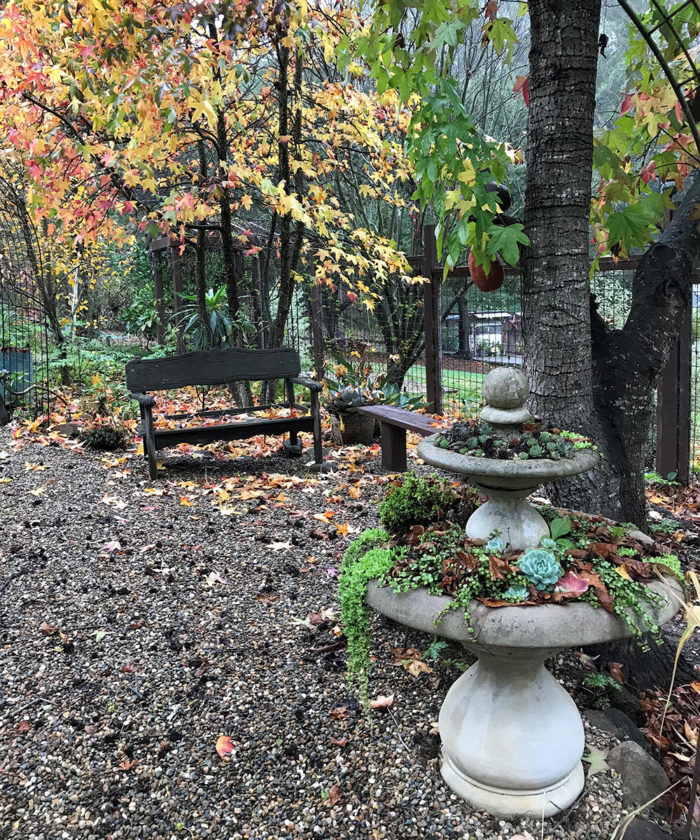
point(200, 119)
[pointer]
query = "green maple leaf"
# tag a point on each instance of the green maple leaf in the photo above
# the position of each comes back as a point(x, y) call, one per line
point(595, 759)
point(505, 240)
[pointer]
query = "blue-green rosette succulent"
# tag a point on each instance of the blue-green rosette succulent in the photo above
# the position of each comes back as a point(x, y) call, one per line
point(548, 543)
point(496, 545)
point(516, 594)
point(540, 567)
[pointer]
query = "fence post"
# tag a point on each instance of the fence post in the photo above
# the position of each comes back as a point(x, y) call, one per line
point(673, 408)
point(176, 268)
point(317, 348)
point(432, 310)
point(158, 292)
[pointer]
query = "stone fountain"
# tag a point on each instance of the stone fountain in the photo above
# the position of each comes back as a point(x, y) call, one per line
point(507, 483)
point(512, 737)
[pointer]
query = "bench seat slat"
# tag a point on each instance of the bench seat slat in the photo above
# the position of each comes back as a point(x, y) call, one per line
point(220, 412)
point(403, 419)
point(232, 431)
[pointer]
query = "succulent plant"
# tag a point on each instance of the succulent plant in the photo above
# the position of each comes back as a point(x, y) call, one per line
point(348, 397)
point(548, 543)
point(536, 451)
point(496, 545)
point(516, 594)
point(540, 567)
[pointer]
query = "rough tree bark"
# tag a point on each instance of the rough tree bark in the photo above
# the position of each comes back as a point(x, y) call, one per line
point(291, 234)
point(582, 374)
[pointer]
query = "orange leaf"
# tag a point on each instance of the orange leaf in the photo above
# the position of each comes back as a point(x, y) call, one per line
point(615, 669)
point(334, 795)
point(127, 765)
point(382, 702)
point(47, 629)
point(490, 9)
point(623, 571)
point(224, 746)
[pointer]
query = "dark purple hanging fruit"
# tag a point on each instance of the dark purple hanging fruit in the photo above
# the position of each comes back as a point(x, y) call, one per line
point(502, 193)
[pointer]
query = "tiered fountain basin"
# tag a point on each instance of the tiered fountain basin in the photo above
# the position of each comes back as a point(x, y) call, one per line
point(507, 485)
point(512, 737)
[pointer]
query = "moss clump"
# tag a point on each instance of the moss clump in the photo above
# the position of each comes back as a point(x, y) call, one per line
point(416, 501)
point(106, 436)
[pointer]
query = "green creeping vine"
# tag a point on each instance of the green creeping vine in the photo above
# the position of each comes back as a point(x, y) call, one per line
point(362, 562)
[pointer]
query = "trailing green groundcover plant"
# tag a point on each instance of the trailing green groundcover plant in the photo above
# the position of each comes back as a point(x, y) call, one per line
point(586, 558)
point(530, 440)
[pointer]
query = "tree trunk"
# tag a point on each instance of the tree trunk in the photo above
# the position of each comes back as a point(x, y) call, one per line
point(556, 292)
point(201, 270)
point(291, 235)
point(563, 62)
point(582, 374)
point(628, 363)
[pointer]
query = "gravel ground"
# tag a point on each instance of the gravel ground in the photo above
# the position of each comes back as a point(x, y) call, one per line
point(141, 622)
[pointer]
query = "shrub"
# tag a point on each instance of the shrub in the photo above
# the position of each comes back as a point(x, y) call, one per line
point(416, 501)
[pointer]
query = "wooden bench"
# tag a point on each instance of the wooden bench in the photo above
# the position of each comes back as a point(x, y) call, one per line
point(395, 422)
point(221, 367)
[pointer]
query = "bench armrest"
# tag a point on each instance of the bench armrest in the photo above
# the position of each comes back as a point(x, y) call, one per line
point(311, 384)
point(146, 400)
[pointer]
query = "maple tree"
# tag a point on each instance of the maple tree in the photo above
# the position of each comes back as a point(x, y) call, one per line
point(209, 118)
point(582, 374)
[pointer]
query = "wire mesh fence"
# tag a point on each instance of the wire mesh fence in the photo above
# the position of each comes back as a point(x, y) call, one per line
point(23, 328)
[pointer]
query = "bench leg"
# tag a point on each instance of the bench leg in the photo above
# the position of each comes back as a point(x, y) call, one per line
point(149, 444)
point(293, 446)
point(393, 448)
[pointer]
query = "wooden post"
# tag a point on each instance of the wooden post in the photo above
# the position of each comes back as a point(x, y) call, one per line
point(673, 408)
point(176, 268)
point(317, 346)
point(158, 291)
point(433, 322)
point(260, 325)
point(463, 329)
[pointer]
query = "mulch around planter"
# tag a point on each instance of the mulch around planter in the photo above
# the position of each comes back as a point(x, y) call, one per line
point(140, 622)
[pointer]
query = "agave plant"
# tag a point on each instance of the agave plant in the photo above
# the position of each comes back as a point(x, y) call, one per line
point(350, 386)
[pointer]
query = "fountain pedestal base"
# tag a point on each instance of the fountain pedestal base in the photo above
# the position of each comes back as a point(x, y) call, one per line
point(512, 737)
point(505, 803)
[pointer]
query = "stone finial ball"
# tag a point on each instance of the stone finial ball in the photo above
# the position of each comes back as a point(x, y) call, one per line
point(505, 388)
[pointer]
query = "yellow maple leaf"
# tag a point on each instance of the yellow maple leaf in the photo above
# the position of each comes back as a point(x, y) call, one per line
point(623, 571)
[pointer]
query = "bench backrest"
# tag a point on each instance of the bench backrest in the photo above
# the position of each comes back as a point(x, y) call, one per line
point(211, 367)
